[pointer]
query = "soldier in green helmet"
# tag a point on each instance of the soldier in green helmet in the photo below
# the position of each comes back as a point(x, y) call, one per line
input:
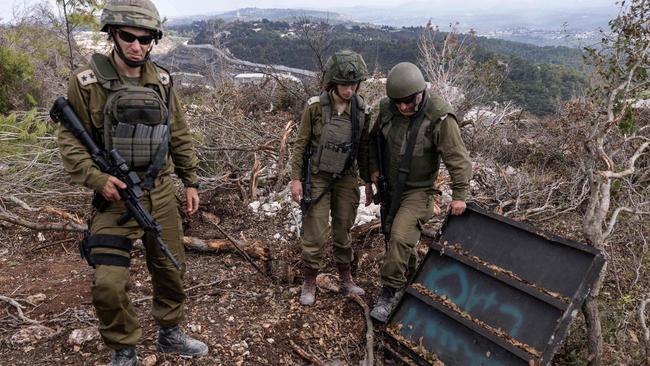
point(126, 102)
point(334, 128)
point(413, 131)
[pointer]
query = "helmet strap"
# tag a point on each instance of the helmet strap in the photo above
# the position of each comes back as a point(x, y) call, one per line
point(126, 60)
point(419, 105)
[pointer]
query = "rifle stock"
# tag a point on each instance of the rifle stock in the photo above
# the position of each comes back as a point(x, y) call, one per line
point(114, 164)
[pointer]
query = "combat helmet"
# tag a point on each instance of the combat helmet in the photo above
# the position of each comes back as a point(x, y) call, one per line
point(132, 13)
point(345, 67)
point(404, 80)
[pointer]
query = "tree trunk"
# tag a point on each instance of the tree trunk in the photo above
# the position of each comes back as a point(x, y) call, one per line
point(591, 313)
point(68, 33)
point(594, 331)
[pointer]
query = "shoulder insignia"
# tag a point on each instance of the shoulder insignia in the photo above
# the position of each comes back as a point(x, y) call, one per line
point(86, 77)
point(313, 100)
point(163, 77)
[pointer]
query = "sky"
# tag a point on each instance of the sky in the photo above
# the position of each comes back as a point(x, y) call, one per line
point(175, 8)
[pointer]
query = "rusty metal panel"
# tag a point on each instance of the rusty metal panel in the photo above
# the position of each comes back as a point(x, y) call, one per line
point(492, 291)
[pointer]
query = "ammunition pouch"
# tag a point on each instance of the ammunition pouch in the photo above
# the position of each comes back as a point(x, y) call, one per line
point(106, 241)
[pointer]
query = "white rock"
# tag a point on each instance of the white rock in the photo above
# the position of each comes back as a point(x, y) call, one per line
point(277, 236)
point(40, 236)
point(270, 340)
point(83, 335)
point(195, 327)
point(255, 205)
point(31, 334)
point(37, 298)
point(271, 207)
point(149, 360)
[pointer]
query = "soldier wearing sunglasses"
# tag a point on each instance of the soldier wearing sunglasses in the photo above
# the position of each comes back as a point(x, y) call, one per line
point(127, 103)
point(414, 130)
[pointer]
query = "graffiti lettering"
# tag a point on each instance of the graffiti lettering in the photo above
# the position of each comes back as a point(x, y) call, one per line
point(416, 327)
point(469, 297)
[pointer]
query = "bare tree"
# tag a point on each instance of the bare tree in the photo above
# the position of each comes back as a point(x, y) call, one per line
point(319, 38)
point(448, 62)
point(615, 138)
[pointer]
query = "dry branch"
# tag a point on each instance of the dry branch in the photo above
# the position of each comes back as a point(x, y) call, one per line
point(19, 309)
point(222, 246)
point(66, 226)
point(304, 354)
point(237, 245)
point(369, 360)
point(255, 172)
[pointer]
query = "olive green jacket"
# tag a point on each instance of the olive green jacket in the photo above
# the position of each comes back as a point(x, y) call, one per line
point(311, 127)
point(87, 97)
point(445, 140)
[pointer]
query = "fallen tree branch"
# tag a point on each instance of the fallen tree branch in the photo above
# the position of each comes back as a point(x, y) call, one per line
point(19, 309)
point(143, 299)
point(304, 354)
point(66, 226)
point(240, 250)
point(53, 244)
point(369, 359)
point(222, 246)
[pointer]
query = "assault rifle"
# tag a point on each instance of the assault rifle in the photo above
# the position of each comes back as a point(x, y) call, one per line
point(305, 202)
point(383, 196)
point(114, 164)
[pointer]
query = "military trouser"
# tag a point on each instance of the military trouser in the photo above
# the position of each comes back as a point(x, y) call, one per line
point(343, 201)
point(118, 323)
point(416, 208)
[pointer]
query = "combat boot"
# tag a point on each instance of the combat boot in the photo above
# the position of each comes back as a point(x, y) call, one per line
point(173, 340)
point(347, 285)
point(308, 291)
point(124, 357)
point(388, 297)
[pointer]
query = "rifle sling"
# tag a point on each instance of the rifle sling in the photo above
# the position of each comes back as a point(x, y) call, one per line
point(354, 119)
point(405, 164)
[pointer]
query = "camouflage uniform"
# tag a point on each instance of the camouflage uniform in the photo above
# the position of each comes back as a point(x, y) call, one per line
point(343, 200)
point(87, 94)
point(331, 137)
point(438, 137)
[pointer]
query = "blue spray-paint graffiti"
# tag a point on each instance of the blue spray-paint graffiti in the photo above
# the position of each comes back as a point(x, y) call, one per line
point(469, 297)
point(449, 342)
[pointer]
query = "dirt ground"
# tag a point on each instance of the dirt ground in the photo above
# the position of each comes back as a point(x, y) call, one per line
point(244, 317)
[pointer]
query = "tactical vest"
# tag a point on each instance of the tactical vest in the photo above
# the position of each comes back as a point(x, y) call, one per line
point(336, 137)
point(135, 117)
point(425, 161)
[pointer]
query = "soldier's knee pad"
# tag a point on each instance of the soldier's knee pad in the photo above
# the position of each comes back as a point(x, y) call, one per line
point(121, 243)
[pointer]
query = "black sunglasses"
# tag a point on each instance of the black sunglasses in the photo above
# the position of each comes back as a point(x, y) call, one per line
point(408, 100)
point(130, 37)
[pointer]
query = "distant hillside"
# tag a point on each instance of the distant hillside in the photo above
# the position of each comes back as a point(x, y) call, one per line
point(257, 14)
point(538, 77)
point(573, 25)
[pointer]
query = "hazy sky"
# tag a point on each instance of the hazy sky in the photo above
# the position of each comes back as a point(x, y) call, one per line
point(175, 8)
